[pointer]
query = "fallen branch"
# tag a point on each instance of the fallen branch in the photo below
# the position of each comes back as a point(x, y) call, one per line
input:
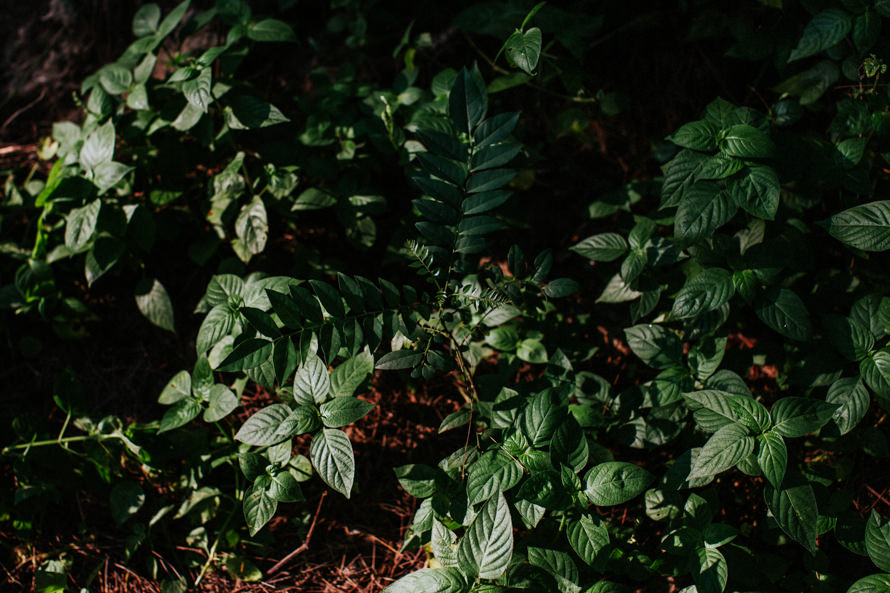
point(305, 545)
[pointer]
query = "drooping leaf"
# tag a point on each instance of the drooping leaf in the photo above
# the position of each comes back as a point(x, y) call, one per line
point(794, 507)
point(587, 537)
point(877, 541)
point(524, 49)
point(654, 345)
point(154, 303)
point(332, 457)
point(726, 447)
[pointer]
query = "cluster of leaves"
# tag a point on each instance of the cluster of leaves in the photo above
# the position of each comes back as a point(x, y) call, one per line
point(763, 213)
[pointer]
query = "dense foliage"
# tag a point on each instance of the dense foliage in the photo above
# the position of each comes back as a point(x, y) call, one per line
point(722, 442)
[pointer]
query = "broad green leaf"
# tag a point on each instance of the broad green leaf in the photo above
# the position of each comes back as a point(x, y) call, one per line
point(587, 537)
point(532, 351)
point(875, 371)
point(615, 482)
point(703, 210)
point(154, 304)
point(654, 345)
point(797, 416)
point(350, 374)
point(418, 480)
point(329, 297)
point(312, 384)
point(180, 413)
point(618, 291)
point(493, 472)
point(697, 135)
point(98, 147)
point(259, 507)
point(865, 227)
point(172, 20)
point(252, 226)
point(569, 445)
point(179, 387)
point(81, 224)
point(853, 340)
point(711, 572)
point(107, 174)
point(772, 457)
point(430, 580)
point(217, 324)
point(794, 508)
point(271, 30)
point(487, 546)
point(332, 457)
point(722, 451)
point(495, 129)
point(719, 166)
point(750, 413)
point(542, 416)
point(756, 190)
point(341, 411)
point(877, 541)
point(301, 420)
point(712, 408)
point(679, 173)
point(399, 359)
point(485, 201)
point(523, 49)
point(781, 309)
point(875, 583)
point(822, 32)
point(261, 429)
point(492, 179)
point(559, 564)
point(284, 488)
point(222, 402)
point(443, 543)
point(197, 90)
point(247, 112)
point(708, 290)
point(853, 400)
point(604, 247)
point(746, 142)
point(146, 19)
point(247, 355)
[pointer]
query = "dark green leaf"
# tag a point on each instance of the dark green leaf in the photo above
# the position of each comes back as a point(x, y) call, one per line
point(261, 429)
point(781, 309)
point(824, 30)
point(797, 416)
point(487, 545)
point(332, 457)
point(772, 457)
point(604, 247)
point(341, 411)
point(615, 482)
point(794, 508)
point(877, 541)
point(865, 227)
point(271, 30)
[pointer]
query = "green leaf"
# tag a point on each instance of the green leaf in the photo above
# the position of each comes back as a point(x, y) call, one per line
point(467, 102)
point(222, 403)
point(781, 309)
point(284, 488)
point(485, 201)
point(127, 497)
point(329, 297)
point(172, 19)
point(249, 112)
point(877, 541)
point(559, 564)
point(247, 355)
point(604, 247)
point(542, 416)
point(875, 583)
point(711, 571)
point(259, 507)
point(523, 49)
point(531, 351)
point(708, 290)
point(399, 359)
point(105, 252)
point(719, 166)
point(312, 383)
point(271, 30)
point(179, 414)
point(703, 210)
point(495, 155)
point(252, 225)
point(654, 345)
point(443, 543)
point(825, 30)
point(301, 420)
point(797, 416)
point(146, 19)
point(430, 580)
point(179, 387)
point(772, 457)
point(569, 445)
point(154, 304)
point(697, 135)
point(115, 79)
point(98, 147)
point(875, 371)
point(487, 546)
point(495, 129)
point(197, 90)
point(852, 399)
point(616, 482)
point(418, 480)
point(853, 340)
point(865, 227)
point(107, 174)
point(350, 374)
point(261, 429)
point(217, 324)
point(756, 190)
point(493, 472)
point(444, 168)
point(587, 537)
point(679, 173)
point(726, 447)
point(794, 508)
point(618, 291)
point(332, 457)
point(341, 411)
point(750, 413)
point(866, 30)
point(81, 224)
point(746, 142)
point(712, 408)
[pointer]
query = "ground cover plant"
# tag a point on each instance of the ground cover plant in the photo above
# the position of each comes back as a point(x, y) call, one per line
point(579, 317)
